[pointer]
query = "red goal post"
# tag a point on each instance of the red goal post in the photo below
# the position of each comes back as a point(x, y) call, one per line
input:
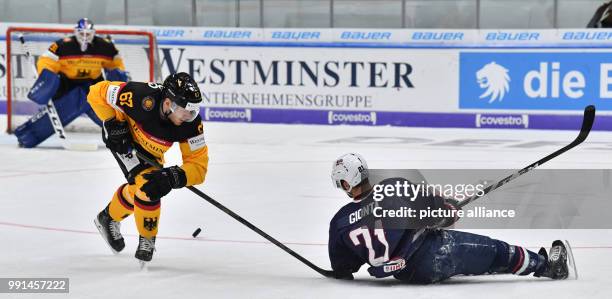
point(133, 58)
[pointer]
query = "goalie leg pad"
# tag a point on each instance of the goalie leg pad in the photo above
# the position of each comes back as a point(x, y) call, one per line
point(34, 131)
point(92, 115)
point(45, 87)
point(38, 128)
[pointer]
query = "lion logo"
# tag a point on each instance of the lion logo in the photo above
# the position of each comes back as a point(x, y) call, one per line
point(495, 79)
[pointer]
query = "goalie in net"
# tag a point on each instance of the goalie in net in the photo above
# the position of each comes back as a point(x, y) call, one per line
point(65, 72)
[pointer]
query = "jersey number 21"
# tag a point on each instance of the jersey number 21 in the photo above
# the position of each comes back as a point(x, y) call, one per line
point(379, 233)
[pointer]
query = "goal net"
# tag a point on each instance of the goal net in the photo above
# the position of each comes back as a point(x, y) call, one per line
point(135, 47)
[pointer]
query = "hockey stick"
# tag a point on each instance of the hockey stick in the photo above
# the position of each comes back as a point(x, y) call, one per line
point(587, 124)
point(221, 207)
point(53, 115)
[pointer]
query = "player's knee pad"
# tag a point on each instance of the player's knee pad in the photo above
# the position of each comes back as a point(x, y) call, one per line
point(146, 214)
point(120, 207)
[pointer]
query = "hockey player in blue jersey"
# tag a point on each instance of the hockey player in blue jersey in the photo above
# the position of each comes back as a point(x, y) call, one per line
point(65, 72)
point(419, 252)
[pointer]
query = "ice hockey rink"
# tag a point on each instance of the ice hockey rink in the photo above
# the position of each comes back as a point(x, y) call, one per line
point(277, 177)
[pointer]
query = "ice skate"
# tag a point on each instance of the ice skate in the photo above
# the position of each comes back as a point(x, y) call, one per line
point(145, 250)
point(560, 262)
point(110, 231)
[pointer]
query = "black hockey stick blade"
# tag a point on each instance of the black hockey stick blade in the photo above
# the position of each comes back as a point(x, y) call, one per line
point(587, 123)
point(326, 273)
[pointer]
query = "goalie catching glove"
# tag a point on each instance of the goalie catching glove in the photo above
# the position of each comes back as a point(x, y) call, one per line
point(116, 136)
point(161, 182)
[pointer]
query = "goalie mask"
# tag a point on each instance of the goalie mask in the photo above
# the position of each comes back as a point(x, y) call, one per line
point(351, 168)
point(184, 94)
point(84, 32)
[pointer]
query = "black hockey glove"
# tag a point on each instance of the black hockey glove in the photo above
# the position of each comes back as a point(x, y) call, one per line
point(450, 204)
point(116, 136)
point(160, 182)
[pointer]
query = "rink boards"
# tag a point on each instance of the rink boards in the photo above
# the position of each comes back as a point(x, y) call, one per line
point(519, 79)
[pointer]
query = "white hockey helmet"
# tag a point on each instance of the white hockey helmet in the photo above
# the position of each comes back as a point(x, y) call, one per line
point(351, 168)
point(84, 32)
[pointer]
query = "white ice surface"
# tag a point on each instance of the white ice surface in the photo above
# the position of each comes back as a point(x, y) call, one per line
point(278, 178)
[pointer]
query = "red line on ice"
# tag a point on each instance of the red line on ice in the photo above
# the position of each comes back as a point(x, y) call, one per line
point(68, 230)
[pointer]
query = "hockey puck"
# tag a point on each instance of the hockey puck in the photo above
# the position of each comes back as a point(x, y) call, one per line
point(196, 232)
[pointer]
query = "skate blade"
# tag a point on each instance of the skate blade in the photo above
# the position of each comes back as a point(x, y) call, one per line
point(573, 271)
point(100, 229)
point(144, 266)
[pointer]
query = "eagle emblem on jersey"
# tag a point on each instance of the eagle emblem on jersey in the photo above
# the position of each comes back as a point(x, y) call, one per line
point(148, 103)
point(495, 80)
point(150, 224)
point(83, 73)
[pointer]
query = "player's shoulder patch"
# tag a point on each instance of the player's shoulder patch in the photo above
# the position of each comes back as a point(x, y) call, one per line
point(195, 130)
point(112, 94)
point(198, 141)
point(66, 39)
point(53, 48)
point(148, 103)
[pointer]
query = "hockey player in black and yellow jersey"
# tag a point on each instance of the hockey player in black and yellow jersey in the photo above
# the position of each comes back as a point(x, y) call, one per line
point(148, 118)
point(65, 72)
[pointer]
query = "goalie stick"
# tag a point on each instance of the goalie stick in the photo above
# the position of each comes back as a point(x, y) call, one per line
point(587, 124)
point(326, 273)
point(53, 115)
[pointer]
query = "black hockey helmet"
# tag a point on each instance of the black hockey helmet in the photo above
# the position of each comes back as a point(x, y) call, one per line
point(183, 91)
